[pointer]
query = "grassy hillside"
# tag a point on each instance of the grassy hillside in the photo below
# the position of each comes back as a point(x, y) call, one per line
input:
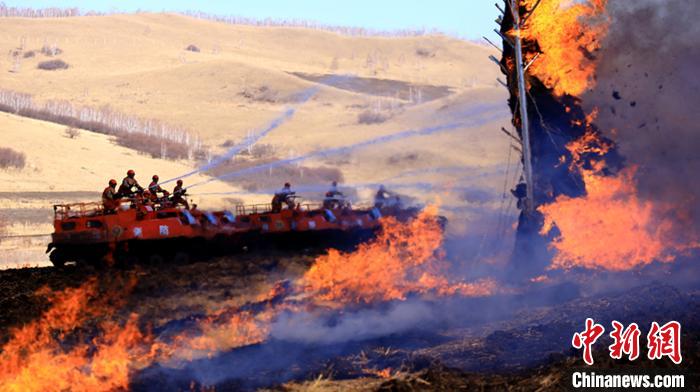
point(58, 169)
point(138, 64)
point(232, 82)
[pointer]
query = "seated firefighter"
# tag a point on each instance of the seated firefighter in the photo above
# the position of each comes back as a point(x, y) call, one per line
point(146, 198)
point(110, 197)
point(178, 196)
point(334, 198)
point(130, 187)
point(155, 189)
point(283, 196)
point(144, 204)
point(384, 198)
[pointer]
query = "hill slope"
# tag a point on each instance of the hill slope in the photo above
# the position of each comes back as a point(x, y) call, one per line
point(240, 79)
point(138, 64)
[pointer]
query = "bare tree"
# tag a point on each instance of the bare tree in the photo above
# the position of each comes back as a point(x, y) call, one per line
point(10, 158)
point(72, 132)
point(150, 136)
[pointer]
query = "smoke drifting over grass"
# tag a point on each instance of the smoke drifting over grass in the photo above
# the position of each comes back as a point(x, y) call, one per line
point(647, 91)
point(353, 326)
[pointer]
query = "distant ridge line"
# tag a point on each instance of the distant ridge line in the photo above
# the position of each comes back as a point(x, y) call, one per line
point(57, 12)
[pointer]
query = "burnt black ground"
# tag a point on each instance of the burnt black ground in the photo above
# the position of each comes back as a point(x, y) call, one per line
point(519, 341)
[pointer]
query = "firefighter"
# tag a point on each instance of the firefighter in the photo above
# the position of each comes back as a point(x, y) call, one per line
point(384, 198)
point(179, 195)
point(283, 196)
point(146, 198)
point(144, 204)
point(520, 192)
point(130, 187)
point(334, 198)
point(155, 188)
point(110, 198)
point(334, 190)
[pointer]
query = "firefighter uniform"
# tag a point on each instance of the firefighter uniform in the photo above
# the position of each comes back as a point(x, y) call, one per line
point(155, 188)
point(178, 195)
point(110, 199)
point(128, 184)
point(284, 196)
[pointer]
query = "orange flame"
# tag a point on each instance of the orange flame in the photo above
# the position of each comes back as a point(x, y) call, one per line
point(404, 258)
point(380, 373)
point(34, 360)
point(215, 336)
point(568, 33)
point(610, 227)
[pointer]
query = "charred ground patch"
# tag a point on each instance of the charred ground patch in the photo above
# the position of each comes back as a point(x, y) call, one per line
point(522, 342)
point(380, 87)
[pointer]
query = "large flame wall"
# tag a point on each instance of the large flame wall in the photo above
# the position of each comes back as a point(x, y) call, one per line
point(590, 212)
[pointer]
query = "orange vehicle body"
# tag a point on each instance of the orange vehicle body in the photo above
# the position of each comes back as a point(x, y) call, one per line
point(86, 233)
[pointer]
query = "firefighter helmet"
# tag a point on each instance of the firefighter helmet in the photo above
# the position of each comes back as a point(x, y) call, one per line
point(155, 177)
point(112, 183)
point(130, 173)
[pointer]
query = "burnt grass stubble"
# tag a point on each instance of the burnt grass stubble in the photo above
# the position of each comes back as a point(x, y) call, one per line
point(524, 346)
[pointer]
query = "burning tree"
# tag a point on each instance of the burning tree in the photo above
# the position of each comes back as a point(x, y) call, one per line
point(581, 207)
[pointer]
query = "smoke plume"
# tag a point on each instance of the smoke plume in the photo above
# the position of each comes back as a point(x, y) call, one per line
point(647, 91)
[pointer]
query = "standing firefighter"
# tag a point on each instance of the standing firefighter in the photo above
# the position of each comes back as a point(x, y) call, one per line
point(284, 196)
point(520, 192)
point(179, 195)
point(155, 188)
point(110, 198)
point(130, 187)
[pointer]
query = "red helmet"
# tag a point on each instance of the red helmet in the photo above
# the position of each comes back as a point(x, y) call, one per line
point(130, 173)
point(112, 183)
point(155, 177)
point(179, 182)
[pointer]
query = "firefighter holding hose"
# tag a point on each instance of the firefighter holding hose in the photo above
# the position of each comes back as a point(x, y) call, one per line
point(130, 187)
point(179, 195)
point(283, 196)
point(155, 188)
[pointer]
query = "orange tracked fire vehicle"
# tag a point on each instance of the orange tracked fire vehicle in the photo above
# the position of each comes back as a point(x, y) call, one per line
point(133, 232)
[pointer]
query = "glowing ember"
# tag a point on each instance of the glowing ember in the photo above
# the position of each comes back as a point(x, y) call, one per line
point(568, 33)
point(383, 373)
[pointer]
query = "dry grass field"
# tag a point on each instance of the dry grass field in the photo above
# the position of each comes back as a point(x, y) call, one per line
point(223, 82)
